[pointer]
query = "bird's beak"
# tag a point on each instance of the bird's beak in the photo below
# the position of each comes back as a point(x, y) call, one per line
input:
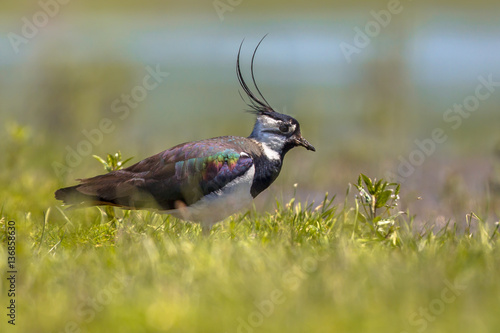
point(303, 142)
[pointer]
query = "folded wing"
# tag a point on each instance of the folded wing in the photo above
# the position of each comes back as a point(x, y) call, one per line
point(176, 177)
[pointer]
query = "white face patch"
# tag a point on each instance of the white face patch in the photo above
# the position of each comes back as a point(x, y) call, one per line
point(272, 124)
point(267, 133)
point(270, 152)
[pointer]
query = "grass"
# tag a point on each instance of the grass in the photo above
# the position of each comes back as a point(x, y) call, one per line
point(302, 268)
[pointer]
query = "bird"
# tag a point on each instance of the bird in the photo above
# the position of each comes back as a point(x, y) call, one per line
point(201, 181)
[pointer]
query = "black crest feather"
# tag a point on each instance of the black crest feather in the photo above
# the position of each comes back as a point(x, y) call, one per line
point(258, 103)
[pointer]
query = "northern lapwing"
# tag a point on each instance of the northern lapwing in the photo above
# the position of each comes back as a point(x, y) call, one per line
point(202, 181)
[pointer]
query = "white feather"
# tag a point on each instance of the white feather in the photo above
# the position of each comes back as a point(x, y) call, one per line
point(269, 152)
point(220, 204)
point(265, 133)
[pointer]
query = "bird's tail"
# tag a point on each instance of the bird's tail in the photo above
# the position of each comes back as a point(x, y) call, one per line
point(71, 196)
point(115, 189)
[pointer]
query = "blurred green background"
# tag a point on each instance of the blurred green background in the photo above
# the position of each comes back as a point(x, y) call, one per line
point(362, 115)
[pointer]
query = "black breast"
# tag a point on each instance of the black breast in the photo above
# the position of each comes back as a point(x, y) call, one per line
point(266, 171)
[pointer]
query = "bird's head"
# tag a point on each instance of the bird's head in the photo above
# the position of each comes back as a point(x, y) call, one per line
point(276, 131)
point(279, 132)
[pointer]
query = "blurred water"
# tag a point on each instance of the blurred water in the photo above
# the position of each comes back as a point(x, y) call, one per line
point(440, 51)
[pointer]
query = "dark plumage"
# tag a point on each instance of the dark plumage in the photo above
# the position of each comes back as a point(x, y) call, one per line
point(203, 181)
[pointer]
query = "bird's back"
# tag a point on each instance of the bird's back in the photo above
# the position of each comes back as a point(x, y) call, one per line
point(177, 177)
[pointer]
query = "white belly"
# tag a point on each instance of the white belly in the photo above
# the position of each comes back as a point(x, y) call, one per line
point(220, 204)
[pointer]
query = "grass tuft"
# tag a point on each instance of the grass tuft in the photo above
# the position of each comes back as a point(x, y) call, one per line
point(304, 267)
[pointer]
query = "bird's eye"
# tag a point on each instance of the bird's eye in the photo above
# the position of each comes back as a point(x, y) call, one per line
point(284, 128)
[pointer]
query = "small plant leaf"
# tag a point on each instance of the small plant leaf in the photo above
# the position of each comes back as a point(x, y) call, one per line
point(103, 162)
point(128, 159)
point(382, 198)
point(368, 182)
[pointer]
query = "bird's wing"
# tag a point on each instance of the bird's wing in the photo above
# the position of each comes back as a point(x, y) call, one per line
point(178, 176)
